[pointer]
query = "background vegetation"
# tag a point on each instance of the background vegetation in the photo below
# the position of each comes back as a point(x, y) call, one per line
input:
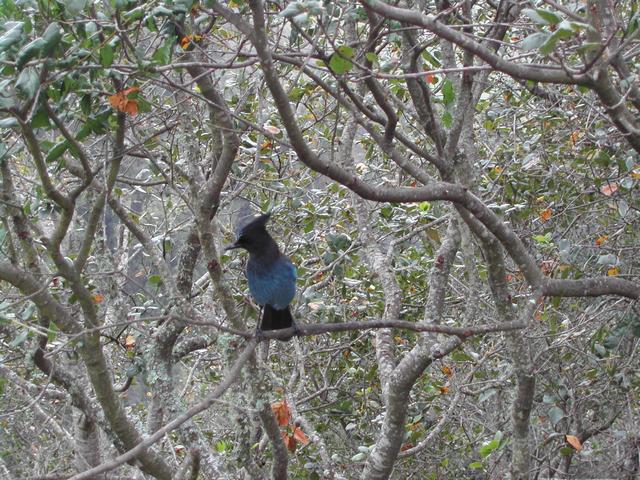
point(457, 183)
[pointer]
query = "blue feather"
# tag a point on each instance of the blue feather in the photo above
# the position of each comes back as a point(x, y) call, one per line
point(272, 283)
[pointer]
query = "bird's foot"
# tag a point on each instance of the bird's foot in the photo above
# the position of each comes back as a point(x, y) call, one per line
point(259, 335)
point(296, 331)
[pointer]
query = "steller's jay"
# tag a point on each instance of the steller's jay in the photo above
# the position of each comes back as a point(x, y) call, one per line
point(270, 274)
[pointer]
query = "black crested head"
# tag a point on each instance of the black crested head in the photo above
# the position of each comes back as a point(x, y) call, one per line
point(254, 238)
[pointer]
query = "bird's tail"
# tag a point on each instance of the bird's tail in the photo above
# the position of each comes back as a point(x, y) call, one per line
point(273, 319)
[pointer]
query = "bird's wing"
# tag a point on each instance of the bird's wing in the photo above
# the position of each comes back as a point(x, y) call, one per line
point(275, 285)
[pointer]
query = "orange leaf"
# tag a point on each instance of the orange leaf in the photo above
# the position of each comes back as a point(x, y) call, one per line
point(448, 371)
point(406, 446)
point(131, 90)
point(289, 441)
point(119, 101)
point(613, 271)
point(414, 426)
point(444, 390)
point(574, 137)
point(97, 298)
point(574, 442)
point(635, 173)
point(609, 189)
point(546, 214)
point(431, 79)
point(601, 240)
point(548, 266)
point(282, 412)
point(185, 42)
point(300, 436)
point(131, 107)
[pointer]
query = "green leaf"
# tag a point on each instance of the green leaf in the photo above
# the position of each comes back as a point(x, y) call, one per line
point(163, 54)
point(28, 83)
point(488, 448)
point(424, 206)
point(29, 51)
point(566, 451)
point(40, 119)
point(345, 51)
point(74, 7)
point(106, 55)
point(372, 57)
point(134, 14)
point(161, 12)
point(11, 36)
point(534, 41)
point(52, 332)
point(448, 94)
point(542, 16)
point(51, 36)
point(623, 208)
point(633, 23)
point(292, 10)
point(155, 280)
point(56, 151)
point(301, 19)
point(431, 59)
point(85, 104)
point(8, 122)
point(447, 119)
point(476, 465)
point(543, 239)
point(339, 65)
point(555, 415)
point(19, 340)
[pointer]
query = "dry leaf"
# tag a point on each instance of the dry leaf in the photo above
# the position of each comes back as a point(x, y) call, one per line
point(548, 266)
point(613, 271)
point(300, 436)
point(185, 42)
point(289, 441)
point(448, 371)
point(574, 137)
point(600, 240)
point(282, 412)
point(574, 442)
point(97, 298)
point(546, 214)
point(120, 101)
point(273, 130)
point(444, 389)
point(129, 342)
point(609, 189)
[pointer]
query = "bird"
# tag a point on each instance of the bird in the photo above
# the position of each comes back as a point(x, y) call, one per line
point(270, 274)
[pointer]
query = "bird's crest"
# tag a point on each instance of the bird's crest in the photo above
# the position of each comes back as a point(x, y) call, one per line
point(253, 224)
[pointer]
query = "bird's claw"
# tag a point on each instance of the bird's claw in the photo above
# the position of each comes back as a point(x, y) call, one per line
point(259, 335)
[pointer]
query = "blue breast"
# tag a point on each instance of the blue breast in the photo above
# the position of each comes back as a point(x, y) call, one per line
point(273, 282)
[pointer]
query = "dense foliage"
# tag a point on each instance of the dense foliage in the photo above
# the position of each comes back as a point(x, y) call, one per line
point(458, 185)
